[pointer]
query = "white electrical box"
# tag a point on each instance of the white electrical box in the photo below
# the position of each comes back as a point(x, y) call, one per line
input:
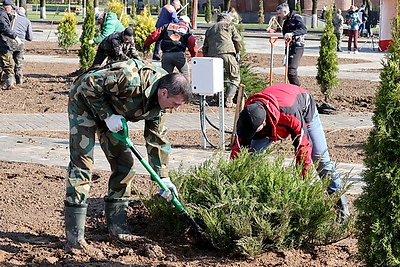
point(207, 75)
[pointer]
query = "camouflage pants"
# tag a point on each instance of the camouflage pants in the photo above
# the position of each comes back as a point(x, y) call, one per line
point(83, 128)
point(231, 68)
point(7, 63)
point(18, 56)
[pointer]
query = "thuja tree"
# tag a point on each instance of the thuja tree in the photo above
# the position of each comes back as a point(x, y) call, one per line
point(208, 12)
point(260, 11)
point(66, 31)
point(379, 204)
point(87, 51)
point(327, 66)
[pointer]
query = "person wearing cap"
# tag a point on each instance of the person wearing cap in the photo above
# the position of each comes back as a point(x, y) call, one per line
point(293, 30)
point(285, 110)
point(116, 46)
point(23, 29)
point(7, 42)
point(168, 14)
point(109, 23)
point(175, 38)
point(224, 41)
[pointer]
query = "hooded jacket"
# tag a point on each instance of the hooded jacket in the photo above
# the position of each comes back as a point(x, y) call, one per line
point(289, 109)
point(222, 38)
point(110, 25)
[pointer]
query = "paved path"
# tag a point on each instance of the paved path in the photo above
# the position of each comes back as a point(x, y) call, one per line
point(54, 152)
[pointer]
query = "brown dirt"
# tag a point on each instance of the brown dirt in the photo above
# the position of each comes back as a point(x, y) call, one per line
point(31, 202)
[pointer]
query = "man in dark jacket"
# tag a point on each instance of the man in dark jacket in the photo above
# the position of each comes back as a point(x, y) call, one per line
point(23, 29)
point(175, 38)
point(293, 29)
point(7, 40)
point(281, 111)
point(116, 46)
point(168, 14)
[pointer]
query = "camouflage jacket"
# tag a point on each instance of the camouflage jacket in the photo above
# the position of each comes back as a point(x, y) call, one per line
point(222, 38)
point(129, 89)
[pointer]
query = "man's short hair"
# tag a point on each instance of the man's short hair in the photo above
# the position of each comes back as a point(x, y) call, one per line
point(128, 32)
point(176, 2)
point(283, 7)
point(222, 16)
point(176, 84)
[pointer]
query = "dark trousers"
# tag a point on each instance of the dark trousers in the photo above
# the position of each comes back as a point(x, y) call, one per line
point(101, 55)
point(295, 54)
point(157, 48)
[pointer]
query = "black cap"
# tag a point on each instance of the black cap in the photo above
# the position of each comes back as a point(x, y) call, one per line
point(251, 117)
point(9, 3)
point(222, 16)
point(128, 33)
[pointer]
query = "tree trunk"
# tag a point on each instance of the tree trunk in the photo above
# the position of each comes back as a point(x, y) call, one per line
point(42, 9)
point(314, 14)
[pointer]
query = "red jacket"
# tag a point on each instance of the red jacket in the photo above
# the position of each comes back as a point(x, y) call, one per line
point(289, 110)
point(175, 38)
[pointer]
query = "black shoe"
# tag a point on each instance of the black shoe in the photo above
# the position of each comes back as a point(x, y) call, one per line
point(156, 58)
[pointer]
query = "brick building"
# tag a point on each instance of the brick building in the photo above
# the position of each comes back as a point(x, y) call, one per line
point(248, 9)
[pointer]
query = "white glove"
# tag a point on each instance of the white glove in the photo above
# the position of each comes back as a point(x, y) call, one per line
point(284, 60)
point(172, 189)
point(91, 42)
point(114, 123)
point(288, 36)
point(238, 57)
point(19, 42)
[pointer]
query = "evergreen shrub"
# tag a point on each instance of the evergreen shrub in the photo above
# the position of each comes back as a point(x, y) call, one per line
point(253, 204)
point(67, 31)
point(87, 51)
point(379, 204)
point(328, 66)
point(143, 25)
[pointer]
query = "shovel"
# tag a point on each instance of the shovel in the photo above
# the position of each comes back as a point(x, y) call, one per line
point(272, 41)
point(124, 138)
point(287, 43)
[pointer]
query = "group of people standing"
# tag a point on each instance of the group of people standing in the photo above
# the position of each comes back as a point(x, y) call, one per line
point(15, 29)
point(356, 20)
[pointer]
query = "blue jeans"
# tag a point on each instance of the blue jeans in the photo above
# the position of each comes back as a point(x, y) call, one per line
point(319, 152)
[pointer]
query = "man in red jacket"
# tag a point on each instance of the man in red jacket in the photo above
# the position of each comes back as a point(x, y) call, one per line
point(175, 38)
point(285, 110)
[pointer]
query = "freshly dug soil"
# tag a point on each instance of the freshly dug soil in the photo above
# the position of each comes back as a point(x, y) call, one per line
point(31, 203)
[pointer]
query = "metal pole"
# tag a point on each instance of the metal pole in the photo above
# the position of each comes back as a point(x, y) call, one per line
point(203, 142)
point(221, 121)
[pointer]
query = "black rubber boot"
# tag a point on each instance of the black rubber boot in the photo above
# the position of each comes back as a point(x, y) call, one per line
point(116, 211)
point(75, 217)
point(343, 209)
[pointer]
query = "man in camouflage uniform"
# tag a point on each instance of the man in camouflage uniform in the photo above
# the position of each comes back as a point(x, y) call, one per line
point(98, 100)
point(116, 46)
point(223, 40)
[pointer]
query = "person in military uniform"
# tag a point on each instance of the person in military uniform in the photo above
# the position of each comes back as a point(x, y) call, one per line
point(223, 40)
point(7, 41)
point(98, 100)
point(116, 46)
point(175, 38)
